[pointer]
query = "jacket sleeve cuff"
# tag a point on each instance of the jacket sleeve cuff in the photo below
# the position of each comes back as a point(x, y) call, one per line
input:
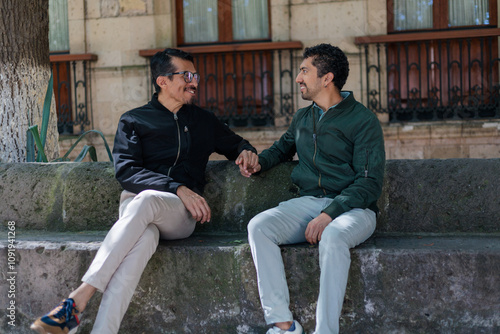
point(171, 187)
point(245, 145)
point(264, 165)
point(334, 210)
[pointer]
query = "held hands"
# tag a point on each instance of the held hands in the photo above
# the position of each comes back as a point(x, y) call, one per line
point(248, 162)
point(316, 227)
point(195, 204)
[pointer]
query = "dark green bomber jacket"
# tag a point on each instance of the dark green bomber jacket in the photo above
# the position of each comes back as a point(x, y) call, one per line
point(341, 156)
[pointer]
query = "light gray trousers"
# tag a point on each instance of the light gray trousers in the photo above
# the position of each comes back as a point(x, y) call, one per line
point(127, 248)
point(286, 224)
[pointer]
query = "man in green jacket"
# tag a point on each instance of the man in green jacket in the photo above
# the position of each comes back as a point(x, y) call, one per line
point(340, 147)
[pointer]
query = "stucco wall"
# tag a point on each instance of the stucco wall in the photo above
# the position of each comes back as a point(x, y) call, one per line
point(116, 30)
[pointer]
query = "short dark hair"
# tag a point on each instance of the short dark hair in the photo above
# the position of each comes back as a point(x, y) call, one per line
point(328, 58)
point(161, 63)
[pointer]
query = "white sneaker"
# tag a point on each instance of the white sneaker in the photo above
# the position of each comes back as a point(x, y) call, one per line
point(296, 328)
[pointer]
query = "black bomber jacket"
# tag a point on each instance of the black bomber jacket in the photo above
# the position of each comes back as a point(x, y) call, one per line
point(159, 150)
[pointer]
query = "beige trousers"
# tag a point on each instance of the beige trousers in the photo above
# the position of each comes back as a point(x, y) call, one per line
point(127, 248)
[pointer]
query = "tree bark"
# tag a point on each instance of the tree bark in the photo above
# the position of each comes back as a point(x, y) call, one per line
point(24, 76)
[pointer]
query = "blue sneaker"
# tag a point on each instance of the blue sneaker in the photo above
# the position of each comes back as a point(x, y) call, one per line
point(61, 320)
point(296, 328)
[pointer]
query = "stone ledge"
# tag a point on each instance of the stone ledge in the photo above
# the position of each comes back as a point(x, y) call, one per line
point(399, 284)
point(432, 196)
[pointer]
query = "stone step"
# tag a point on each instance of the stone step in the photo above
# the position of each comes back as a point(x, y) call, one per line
point(413, 283)
point(432, 196)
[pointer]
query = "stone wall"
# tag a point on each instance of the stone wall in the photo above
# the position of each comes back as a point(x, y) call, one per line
point(450, 195)
point(443, 140)
point(436, 140)
point(116, 30)
point(431, 266)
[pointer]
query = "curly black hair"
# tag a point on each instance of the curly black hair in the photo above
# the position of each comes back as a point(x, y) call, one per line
point(328, 58)
point(161, 63)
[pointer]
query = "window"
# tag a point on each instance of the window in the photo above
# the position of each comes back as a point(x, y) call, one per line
point(425, 73)
point(59, 44)
point(236, 85)
point(58, 26)
point(468, 13)
point(421, 15)
point(411, 15)
point(250, 19)
point(222, 21)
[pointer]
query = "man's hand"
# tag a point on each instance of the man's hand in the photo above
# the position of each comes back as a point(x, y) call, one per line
point(195, 204)
point(248, 162)
point(316, 227)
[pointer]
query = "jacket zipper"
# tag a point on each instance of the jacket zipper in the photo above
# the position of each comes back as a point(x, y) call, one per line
point(315, 152)
point(179, 147)
point(366, 164)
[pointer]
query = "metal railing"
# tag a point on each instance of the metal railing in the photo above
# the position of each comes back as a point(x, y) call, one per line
point(72, 91)
point(247, 85)
point(452, 75)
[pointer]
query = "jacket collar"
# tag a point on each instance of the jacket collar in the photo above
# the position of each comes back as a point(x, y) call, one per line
point(155, 103)
point(347, 98)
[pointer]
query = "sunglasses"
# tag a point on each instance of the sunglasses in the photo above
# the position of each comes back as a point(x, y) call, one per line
point(188, 76)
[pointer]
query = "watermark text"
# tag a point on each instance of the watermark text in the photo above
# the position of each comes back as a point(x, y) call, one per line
point(11, 273)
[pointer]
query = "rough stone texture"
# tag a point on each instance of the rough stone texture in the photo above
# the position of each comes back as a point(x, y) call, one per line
point(396, 285)
point(424, 196)
point(442, 140)
point(234, 199)
point(438, 196)
point(430, 268)
point(114, 8)
point(59, 196)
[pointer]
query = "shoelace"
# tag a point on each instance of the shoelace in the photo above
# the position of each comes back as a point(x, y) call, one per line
point(65, 309)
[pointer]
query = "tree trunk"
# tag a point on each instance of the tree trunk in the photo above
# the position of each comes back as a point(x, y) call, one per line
point(24, 76)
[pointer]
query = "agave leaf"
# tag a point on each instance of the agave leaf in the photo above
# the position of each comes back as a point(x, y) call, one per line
point(65, 157)
point(87, 149)
point(31, 136)
point(93, 153)
point(46, 110)
point(110, 156)
point(30, 147)
point(60, 159)
point(30, 143)
point(41, 153)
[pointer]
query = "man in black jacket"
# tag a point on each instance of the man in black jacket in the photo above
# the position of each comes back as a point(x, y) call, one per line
point(161, 151)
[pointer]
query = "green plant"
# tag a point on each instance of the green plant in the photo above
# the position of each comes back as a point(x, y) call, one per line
point(86, 149)
point(34, 138)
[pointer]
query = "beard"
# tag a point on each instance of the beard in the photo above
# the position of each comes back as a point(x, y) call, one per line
point(309, 93)
point(305, 95)
point(192, 98)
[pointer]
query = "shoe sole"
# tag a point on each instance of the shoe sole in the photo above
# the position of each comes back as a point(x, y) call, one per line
point(38, 329)
point(41, 330)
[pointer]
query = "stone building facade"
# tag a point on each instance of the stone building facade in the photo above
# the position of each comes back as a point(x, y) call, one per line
point(117, 32)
